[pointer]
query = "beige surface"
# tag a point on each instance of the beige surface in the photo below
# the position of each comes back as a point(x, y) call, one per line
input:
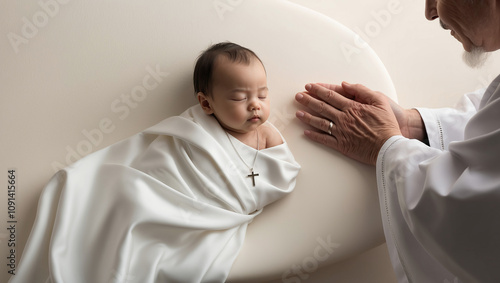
point(86, 74)
point(71, 76)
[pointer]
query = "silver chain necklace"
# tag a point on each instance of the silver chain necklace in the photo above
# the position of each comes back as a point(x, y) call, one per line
point(252, 174)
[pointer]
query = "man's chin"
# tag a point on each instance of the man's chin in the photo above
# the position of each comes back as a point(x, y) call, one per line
point(476, 57)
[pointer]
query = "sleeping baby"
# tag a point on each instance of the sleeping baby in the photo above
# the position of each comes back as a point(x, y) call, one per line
point(172, 203)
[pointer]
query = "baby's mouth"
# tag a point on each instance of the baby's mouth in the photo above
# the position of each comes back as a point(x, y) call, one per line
point(254, 118)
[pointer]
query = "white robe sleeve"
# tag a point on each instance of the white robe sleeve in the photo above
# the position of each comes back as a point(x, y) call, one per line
point(447, 124)
point(441, 204)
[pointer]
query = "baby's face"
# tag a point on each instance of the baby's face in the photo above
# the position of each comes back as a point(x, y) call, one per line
point(240, 98)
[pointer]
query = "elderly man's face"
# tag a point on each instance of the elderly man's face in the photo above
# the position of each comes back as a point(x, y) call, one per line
point(474, 23)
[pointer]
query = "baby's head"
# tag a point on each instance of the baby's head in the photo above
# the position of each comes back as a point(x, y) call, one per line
point(231, 83)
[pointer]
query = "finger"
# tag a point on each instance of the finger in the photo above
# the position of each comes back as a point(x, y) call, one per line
point(319, 123)
point(319, 106)
point(321, 138)
point(331, 97)
point(361, 93)
point(337, 88)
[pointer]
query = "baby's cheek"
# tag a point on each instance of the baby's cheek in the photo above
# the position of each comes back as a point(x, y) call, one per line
point(238, 116)
point(267, 111)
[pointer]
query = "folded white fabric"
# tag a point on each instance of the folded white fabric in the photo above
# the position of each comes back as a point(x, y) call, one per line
point(170, 204)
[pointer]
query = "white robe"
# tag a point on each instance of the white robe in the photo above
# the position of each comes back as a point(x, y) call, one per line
point(441, 204)
point(170, 204)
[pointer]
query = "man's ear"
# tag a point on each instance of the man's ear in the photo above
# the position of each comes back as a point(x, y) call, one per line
point(205, 103)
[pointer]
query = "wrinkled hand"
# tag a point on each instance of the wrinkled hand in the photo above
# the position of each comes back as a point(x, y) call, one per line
point(410, 122)
point(362, 119)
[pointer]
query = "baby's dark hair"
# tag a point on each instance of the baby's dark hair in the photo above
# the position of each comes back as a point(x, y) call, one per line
point(202, 75)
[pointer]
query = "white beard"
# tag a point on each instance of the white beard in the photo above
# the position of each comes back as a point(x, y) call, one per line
point(475, 58)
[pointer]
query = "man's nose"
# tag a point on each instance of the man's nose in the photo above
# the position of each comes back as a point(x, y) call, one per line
point(431, 10)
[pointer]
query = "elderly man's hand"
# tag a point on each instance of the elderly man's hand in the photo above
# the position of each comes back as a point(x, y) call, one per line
point(362, 119)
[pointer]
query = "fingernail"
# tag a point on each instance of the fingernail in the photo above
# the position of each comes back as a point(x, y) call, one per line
point(299, 96)
point(299, 114)
point(308, 86)
point(307, 132)
point(346, 84)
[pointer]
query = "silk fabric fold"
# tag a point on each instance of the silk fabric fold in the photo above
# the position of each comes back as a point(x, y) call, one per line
point(170, 204)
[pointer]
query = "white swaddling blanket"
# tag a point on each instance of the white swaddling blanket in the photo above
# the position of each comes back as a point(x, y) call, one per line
point(170, 204)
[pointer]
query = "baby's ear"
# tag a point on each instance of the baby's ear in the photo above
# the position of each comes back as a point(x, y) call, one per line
point(204, 103)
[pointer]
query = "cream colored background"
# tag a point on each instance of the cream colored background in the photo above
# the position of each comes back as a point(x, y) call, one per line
point(46, 91)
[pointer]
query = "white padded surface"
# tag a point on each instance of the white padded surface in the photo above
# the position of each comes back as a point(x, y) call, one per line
point(74, 86)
